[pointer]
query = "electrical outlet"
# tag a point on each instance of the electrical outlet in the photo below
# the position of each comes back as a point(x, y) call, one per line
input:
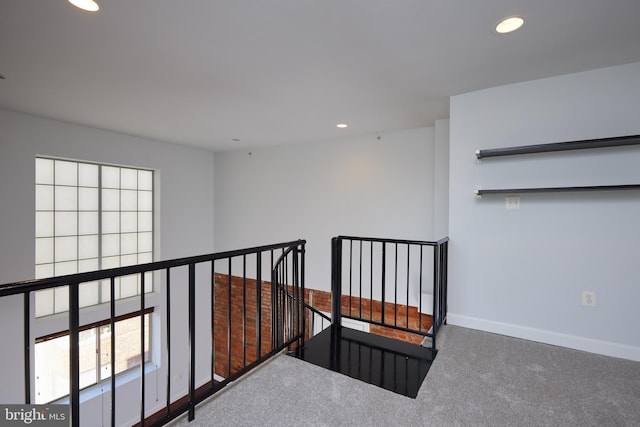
point(589, 298)
point(512, 203)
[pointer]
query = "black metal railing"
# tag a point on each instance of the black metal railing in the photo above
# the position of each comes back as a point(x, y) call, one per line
point(317, 321)
point(287, 282)
point(399, 284)
point(232, 316)
point(293, 305)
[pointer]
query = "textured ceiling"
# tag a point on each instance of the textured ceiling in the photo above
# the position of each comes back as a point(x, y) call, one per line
point(203, 72)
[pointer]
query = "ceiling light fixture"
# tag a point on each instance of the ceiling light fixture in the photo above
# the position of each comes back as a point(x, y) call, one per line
point(510, 24)
point(88, 5)
point(341, 125)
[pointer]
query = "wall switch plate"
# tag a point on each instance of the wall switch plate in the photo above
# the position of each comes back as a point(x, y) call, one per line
point(589, 298)
point(512, 202)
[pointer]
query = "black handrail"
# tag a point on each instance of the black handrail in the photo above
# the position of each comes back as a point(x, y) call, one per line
point(292, 320)
point(52, 282)
point(378, 282)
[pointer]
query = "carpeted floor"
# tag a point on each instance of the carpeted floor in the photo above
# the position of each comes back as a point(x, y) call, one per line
point(477, 379)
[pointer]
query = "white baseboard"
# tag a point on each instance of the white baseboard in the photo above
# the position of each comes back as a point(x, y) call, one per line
point(606, 348)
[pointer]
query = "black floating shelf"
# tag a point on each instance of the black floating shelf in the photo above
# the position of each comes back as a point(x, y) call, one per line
point(560, 146)
point(480, 192)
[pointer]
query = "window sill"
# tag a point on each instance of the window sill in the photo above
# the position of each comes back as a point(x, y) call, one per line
point(104, 386)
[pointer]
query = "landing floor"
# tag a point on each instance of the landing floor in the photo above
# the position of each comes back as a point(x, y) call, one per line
point(477, 379)
point(391, 364)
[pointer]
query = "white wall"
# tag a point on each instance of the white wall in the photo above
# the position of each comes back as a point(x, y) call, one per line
point(184, 208)
point(360, 186)
point(441, 179)
point(521, 272)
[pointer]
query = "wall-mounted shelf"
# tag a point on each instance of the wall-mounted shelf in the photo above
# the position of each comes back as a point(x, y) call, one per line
point(482, 192)
point(560, 146)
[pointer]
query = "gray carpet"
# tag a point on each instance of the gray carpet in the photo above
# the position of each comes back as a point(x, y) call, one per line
point(477, 379)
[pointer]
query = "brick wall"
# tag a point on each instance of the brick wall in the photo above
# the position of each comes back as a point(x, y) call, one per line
point(243, 299)
point(373, 310)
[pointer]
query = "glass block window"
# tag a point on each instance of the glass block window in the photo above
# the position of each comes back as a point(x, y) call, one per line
point(91, 217)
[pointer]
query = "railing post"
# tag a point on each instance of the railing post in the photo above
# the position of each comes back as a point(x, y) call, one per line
point(336, 281)
point(192, 341)
point(295, 307)
point(112, 350)
point(274, 278)
point(74, 348)
point(258, 305)
point(142, 340)
point(384, 280)
point(27, 348)
point(302, 299)
point(437, 288)
point(168, 340)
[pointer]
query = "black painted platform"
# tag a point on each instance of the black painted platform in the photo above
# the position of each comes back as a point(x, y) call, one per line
point(391, 364)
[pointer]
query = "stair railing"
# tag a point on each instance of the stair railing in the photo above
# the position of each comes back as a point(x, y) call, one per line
point(198, 295)
point(393, 283)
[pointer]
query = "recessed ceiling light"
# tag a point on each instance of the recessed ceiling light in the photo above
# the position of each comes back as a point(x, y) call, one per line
point(341, 125)
point(510, 24)
point(88, 5)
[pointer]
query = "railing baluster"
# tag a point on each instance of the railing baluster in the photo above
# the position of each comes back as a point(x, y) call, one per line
point(395, 289)
point(371, 282)
point(350, 276)
point(244, 311)
point(360, 274)
point(336, 281)
point(74, 343)
point(27, 346)
point(302, 287)
point(408, 283)
point(286, 319)
point(384, 278)
point(420, 294)
point(112, 326)
point(296, 296)
point(168, 343)
point(142, 336)
point(273, 304)
point(286, 324)
point(258, 305)
point(229, 309)
point(192, 341)
point(213, 329)
point(436, 292)
point(281, 309)
point(281, 312)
